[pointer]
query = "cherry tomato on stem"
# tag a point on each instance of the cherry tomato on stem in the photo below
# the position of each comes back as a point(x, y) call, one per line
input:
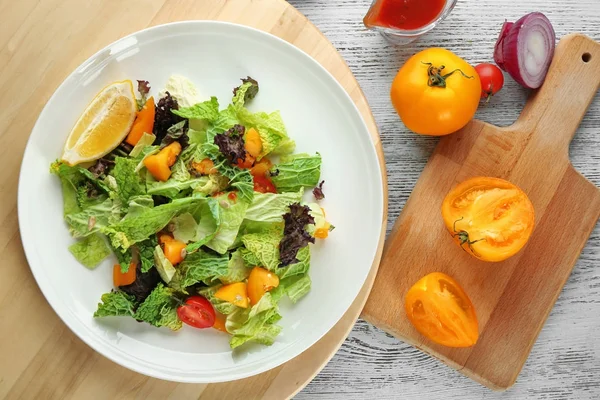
point(492, 79)
point(197, 312)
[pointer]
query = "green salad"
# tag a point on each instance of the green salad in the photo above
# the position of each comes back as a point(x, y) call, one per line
point(202, 206)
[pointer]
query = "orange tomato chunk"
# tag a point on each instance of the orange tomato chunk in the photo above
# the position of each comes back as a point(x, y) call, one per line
point(204, 167)
point(123, 279)
point(144, 122)
point(235, 293)
point(159, 165)
point(252, 143)
point(260, 281)
point(220, 323)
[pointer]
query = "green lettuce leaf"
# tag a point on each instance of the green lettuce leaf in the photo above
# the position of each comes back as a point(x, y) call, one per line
point(285, 147)
point(221, 306)
point(90, 251)
point(185, 228)
point(181, 180)
point(226, 119)
point(295, 287)
point(264, 247)
point(76, 174)
point(84, 200)
point(199, 267)
point(75, 183)
point(206, 110)
point(272, 132)
point(299, 268)
point(214, 184)
point(296, 172)
point(124, 257)
point(249, 257)
point(270, 207)
point(236, 269)
point(320, 221)
point(139, 204)
point(179, 171)
point(249, 226)
point(245, 92)
point(93, 219)
point(136, 228)
point(160, 308)
point(240, 179)
point(146, 152)
point(244, 186)
point(146, 140)
point(172, 188)
point(116, 303)
point(163, 265)
point(231, 215)
point(69, 181)
point(129, 182)
point(270, 127)
point(146, 253)
point(209, 221)
point(256, 324)
point(265, 334)
point(196, 137)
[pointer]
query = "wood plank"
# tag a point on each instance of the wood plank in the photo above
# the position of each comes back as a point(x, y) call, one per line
point(44, 41)
point(513, 298)
point(565, 360)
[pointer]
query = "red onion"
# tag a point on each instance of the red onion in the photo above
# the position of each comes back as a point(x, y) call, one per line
point(525, 49)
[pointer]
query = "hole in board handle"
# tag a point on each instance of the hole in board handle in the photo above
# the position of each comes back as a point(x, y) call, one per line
point(586, 57)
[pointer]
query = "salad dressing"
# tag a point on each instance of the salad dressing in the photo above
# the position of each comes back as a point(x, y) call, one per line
point(403, 14)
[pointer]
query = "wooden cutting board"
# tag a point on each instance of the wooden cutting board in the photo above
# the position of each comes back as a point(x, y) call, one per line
point(512, 298)
point(41, 42)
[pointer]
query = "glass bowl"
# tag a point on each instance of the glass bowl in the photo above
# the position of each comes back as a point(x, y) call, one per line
point(401, 37)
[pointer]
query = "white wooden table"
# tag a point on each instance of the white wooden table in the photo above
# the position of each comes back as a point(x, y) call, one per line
point(565, 361)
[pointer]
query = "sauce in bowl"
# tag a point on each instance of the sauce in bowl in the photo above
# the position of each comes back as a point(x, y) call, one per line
point(403, 14)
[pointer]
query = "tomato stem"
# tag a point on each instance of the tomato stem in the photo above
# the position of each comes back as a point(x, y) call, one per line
point(463, 237)
point(435, 77)
point(489, 93)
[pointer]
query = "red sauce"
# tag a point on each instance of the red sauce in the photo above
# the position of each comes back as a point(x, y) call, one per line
point(232, 196)
point(403, 14)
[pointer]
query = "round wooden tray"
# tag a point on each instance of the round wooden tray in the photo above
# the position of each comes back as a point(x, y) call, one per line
point(41, 43)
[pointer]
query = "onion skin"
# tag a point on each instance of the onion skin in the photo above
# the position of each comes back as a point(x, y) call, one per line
point(511, 48)
point(498, 51)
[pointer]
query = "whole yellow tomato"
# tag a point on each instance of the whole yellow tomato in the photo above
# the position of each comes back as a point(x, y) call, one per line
point(436, 92)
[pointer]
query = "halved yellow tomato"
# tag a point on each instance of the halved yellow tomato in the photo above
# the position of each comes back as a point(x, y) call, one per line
point(490, 218)
point(439, 308)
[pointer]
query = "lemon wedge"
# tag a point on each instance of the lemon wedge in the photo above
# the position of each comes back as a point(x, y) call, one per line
point(103, 125)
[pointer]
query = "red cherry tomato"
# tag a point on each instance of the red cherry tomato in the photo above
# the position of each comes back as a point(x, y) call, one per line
point(492, 79)
point(263, 184)
point(197, 312)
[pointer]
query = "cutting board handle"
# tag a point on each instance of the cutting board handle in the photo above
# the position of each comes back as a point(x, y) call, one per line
point(557, 108)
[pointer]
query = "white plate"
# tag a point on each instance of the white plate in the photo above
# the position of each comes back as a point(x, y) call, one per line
point(319, 115)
